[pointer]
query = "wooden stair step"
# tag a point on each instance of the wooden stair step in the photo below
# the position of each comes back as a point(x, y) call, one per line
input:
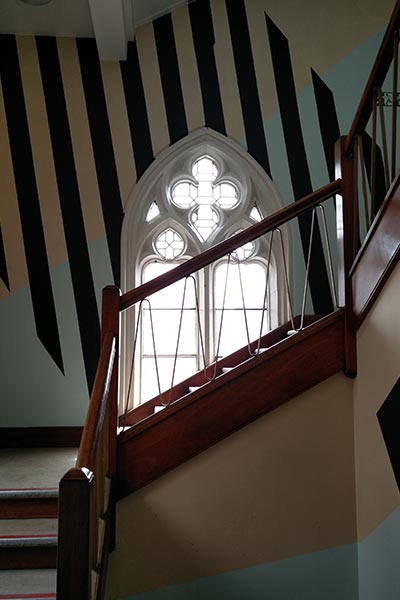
point(28, 583)
point(28, 552)
point(28, 543)
point(32, 503)
point(27, 596)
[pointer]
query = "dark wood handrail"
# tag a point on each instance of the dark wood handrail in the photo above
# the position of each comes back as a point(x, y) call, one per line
point(98, 404)
point(376, 79)
point(223, 248)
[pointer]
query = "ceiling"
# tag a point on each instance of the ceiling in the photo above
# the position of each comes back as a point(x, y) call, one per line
point(112, 22)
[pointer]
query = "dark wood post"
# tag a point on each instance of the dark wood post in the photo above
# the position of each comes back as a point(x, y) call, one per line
point(73, 560)
point(345, 228)
point(110, 323)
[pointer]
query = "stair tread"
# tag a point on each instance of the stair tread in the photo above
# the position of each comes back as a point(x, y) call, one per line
point(34, 468)
point(28, 583)
point(29, 493)
point(34, 541)
point(27, 527)
point(28, 596)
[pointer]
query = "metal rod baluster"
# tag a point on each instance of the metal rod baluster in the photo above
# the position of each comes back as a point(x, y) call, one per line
point(394, 102)
point(178, 339)
point(375, 101)
point(356, 209)
point(203, 352)
point(222, 312)
point(132, 364)
point(384, 140)
point(303, 305)
point(328, 249)
point(243, 302)
point(364, 182)
point(266, 290)
point(285, 269)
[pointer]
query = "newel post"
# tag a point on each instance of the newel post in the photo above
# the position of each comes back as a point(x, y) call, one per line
point(74, 555)
point(346, 228)
point(110, 323)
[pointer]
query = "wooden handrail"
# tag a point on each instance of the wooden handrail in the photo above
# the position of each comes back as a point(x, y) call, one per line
point(219, 250)
point(87, 498)
point(98, 404)
point(376, 79)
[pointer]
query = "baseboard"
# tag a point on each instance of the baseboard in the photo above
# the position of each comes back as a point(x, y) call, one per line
point(40, 437)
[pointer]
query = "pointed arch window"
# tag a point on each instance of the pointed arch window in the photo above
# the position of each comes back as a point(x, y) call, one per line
point(200, 194)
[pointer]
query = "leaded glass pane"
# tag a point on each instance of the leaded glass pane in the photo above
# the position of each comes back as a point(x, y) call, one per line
point(256, 213)
point(226, 194)
point(169, 244)
point(183, 194)
point(152, 213)
point(205, 219)
point(205, 169)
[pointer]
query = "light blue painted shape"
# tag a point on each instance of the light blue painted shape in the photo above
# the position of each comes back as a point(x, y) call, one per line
point(34, 391)
point(378, 560)
point(326, 575)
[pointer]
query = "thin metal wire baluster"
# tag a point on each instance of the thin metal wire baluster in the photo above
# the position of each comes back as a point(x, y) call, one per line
point(202, 346)
point(222, 313)
point(330, 261)
point(384, 140)
point(364, 183)
point(303, 305)
point(356, 209)
point(285, 269)
point(394, 100)
point(178, 340)
point(138, 323)
point(132, 363)
point(243, 301)
point(155, 354)
point(265, 293)
point(375, 101)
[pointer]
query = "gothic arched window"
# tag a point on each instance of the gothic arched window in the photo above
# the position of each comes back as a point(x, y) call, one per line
point(196, 194)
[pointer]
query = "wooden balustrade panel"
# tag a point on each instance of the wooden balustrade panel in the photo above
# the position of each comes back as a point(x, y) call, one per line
point(378, 256)
point(259, 385)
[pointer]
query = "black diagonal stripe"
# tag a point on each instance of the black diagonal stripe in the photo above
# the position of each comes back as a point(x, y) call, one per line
point(28, 200)
point(247, 83)
point(102, 148)
point(203, 39)
point(298, 167)
point(389, 419)
point(328, 121)
point(170, 78)
point(3, 263)
point(71, 209)
point(137, 111)
point(379, 192)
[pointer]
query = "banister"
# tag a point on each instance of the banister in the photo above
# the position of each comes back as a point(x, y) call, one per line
point(376, 78)
point(98, 403)
point(219, 250)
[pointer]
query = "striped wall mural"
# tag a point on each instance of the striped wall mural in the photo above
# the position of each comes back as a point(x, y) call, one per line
point(77, 134)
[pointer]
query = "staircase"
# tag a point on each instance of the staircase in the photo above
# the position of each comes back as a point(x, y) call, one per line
point(28, 524)
point(156, 436)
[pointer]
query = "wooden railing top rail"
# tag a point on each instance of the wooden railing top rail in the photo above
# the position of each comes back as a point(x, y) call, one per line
point(98, 403)
point(376, 78)
point(223, 248)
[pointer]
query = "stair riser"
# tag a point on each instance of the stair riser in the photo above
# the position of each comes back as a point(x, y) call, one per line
point(36, 557)
point(29, 508)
